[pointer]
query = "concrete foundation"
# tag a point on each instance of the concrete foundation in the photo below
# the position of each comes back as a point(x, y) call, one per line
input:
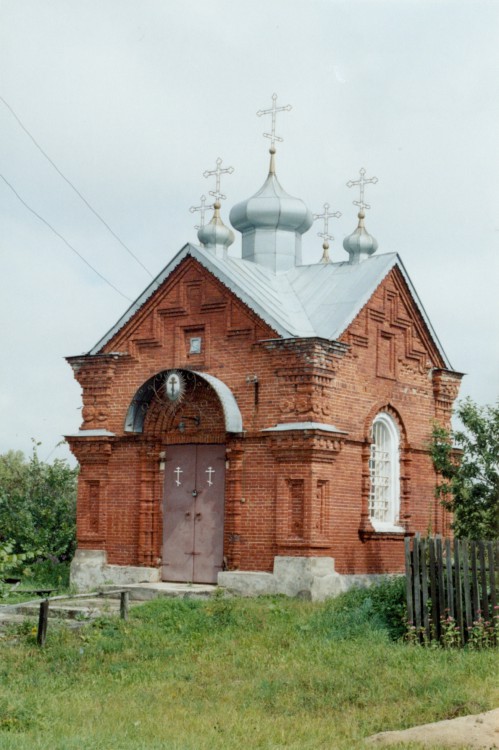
point(89, 569)
point(311, 578)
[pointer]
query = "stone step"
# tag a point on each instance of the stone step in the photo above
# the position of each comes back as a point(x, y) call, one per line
point(7, 621)
point(10, 618)
point(146, 591)
point(84, 609)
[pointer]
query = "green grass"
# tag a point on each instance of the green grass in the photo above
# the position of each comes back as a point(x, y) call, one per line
point(45, 574)
point(231, 673)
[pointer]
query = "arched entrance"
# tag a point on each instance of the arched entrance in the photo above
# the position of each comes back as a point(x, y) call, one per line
point(189, 414)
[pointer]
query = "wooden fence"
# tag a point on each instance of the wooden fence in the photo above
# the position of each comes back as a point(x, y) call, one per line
point(451, 586)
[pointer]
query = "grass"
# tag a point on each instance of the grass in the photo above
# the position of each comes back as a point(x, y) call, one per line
point(258, 673)
point(35, 576)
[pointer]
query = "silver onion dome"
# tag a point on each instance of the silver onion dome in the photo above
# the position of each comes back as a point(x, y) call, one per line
point(360, 244)
point(271, 223)
point(215, 236)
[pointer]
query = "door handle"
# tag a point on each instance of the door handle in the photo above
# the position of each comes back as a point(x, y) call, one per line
point(188, 514)
point(198, 515)
point(194, 493)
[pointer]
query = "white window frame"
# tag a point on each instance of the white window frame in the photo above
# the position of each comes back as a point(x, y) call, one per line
point(384, 475)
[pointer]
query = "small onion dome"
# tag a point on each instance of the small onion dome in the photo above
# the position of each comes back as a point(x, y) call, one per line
point(360, 244)
point(215, 235)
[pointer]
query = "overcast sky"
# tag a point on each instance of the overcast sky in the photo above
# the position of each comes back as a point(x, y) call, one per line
point(134, 99)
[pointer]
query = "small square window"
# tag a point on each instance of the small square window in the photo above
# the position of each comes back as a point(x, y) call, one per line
point(195, 345)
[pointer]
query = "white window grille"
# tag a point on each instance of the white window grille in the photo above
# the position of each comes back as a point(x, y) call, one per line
point(384, 493)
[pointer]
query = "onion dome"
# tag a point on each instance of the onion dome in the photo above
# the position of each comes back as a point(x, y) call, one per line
point(215, 236)
point(271, 223)
point(360, 244)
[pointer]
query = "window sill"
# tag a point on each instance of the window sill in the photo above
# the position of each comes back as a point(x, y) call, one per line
point(387, 528)
point(385, 531)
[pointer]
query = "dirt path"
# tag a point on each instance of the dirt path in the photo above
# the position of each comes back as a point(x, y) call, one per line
point(478, 732)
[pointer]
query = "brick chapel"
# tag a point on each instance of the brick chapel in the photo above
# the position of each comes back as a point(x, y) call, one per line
point(259, 422)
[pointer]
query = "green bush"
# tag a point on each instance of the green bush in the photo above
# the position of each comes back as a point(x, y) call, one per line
point(389, 603)
point(9, 561)
point(466, 460)
point(356, 612)
point(38, 506)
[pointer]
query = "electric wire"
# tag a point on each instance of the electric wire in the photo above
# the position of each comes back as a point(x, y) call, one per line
point(58, 234)
point(85, 201)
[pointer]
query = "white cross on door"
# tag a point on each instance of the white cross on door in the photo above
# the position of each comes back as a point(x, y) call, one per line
point(178, 471)
point(209, 471)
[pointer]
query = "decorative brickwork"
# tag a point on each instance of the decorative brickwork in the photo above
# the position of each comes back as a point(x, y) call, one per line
point(95, 377)
point(301, 491)
point(94, 455)
point(445, 389)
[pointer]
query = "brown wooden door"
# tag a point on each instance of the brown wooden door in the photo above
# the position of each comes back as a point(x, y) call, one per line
point(193, 513)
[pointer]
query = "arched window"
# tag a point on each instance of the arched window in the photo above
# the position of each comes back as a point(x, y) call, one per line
point(384, 460)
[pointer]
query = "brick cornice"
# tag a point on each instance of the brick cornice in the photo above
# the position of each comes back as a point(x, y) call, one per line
point(95, 450)
point(315, 445)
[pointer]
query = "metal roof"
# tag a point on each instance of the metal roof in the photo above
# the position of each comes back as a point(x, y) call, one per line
point(306, 301)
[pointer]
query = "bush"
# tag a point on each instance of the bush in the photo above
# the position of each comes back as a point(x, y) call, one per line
point(388, 598)
point(38, 506)
point(466, 460)
point(9, 561)
point(354, 613)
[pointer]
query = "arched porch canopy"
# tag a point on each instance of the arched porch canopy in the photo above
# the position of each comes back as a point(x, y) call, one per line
point(134, 421)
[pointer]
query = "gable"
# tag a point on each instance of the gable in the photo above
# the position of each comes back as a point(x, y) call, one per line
point(186, 302)
point(391, 323)
point(319, 300)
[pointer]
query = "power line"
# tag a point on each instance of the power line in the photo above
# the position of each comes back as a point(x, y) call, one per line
point(23, 126)
point(58, 234)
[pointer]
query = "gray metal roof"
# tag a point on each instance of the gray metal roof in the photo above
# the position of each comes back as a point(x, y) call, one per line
point(316, 300)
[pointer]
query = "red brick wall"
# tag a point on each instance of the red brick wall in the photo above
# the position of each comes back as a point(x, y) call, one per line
point(286, 493)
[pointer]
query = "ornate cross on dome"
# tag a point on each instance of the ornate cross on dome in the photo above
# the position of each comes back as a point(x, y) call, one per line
point(273, 111)
point(203, 208)
point(217, 172)
point(361, 182)
point(326, 216)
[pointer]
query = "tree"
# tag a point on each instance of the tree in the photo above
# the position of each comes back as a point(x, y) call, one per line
point(37, 506)
point(467, 460)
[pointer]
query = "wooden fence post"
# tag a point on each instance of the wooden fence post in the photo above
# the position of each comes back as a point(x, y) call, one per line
point(458, 590)
point(466, 586)
point(483, 580)
point(492, 578)
point(416, 585)
point(475, 588)
point(124, 598)
point(440, 581)
point(408, 581)
point(449, 577)
point(42, 622)
point(433, 588)
point(424, 586)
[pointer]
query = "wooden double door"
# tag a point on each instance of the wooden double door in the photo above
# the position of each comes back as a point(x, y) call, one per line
point(193, 515)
